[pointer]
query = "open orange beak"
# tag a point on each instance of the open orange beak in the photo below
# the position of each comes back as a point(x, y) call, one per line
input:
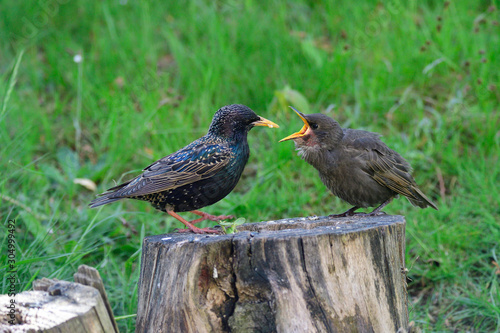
point(264, 122)
point(302, 131)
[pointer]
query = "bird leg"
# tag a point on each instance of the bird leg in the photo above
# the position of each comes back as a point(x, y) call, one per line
point(190, 225)
point(349, 212)
point(206, 216)
point(377, 211)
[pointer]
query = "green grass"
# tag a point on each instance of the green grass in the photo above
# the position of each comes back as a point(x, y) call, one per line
point(424, 74)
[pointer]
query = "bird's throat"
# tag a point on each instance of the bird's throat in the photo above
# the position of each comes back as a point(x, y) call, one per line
point(308, 150)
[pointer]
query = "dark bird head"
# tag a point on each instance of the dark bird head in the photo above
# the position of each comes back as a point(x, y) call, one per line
point(235, 120)
point(319, 132)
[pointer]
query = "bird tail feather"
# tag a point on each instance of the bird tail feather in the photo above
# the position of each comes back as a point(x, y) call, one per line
point(103, 201)
point(109, 196)
point(421, 199)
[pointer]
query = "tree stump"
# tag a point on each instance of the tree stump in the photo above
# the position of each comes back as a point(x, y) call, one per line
point(293, 275)
point(60, 306)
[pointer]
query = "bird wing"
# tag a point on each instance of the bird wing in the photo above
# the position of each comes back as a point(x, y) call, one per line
point(388, 170)
point(383, 164)
point(186, 166)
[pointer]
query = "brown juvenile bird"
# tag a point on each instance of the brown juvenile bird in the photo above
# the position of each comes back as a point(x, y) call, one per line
point(355, 165)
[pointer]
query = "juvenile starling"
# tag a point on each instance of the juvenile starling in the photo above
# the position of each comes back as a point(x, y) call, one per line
point(197, 175)
point(355, 165)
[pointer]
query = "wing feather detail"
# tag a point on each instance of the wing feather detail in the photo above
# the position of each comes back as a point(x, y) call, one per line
point(184, 167)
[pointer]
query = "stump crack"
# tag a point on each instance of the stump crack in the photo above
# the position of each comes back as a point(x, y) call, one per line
point(308, 277)
point(233, 300)
point(151, 282)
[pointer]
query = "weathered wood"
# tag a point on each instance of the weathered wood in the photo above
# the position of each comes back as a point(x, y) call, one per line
point(294, 275)
point(89, 276)
point(57, 306)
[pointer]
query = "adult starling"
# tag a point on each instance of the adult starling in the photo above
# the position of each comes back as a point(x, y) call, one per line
point(355, 165)
point(197, 175)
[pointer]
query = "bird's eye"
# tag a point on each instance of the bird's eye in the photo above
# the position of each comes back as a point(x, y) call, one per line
point(314, 126)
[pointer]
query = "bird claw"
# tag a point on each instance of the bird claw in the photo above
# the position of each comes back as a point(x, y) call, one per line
point(217, 217)
point(210, 217)
point(200, 231)
point(348, 213)
point(220, 217)
point(376, 213)
point(361, 214)
point(345, 214)
point(351, 212)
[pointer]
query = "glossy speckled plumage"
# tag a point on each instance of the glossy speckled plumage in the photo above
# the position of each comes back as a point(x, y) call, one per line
point(199, 174)
point(356, 165)
point(196, 176)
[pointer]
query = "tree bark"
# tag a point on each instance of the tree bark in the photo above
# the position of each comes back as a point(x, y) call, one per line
point(294, 275)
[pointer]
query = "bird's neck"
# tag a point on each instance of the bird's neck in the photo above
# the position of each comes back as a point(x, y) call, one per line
point(317, 156)
point(239, 145)
point(229, 136)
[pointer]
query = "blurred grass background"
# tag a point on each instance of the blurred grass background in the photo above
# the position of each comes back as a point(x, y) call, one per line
point(97, 90)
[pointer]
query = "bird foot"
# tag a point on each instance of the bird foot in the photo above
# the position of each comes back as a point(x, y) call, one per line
point(191, 227)
point(350, 212)
point(210, 217)
point(376, 213)
point(370, 214)
point(218, 217)
point(345, 214)
point(197, 230)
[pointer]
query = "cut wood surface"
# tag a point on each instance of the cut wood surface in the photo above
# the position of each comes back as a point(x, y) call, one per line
point(59, 306)
point(89, 276)
point(314, 274)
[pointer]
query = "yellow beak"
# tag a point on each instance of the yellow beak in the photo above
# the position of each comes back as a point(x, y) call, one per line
point(265, 122)
point(302, 131)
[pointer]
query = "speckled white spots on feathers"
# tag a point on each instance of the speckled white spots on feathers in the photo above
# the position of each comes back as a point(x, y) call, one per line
point(199, 174)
